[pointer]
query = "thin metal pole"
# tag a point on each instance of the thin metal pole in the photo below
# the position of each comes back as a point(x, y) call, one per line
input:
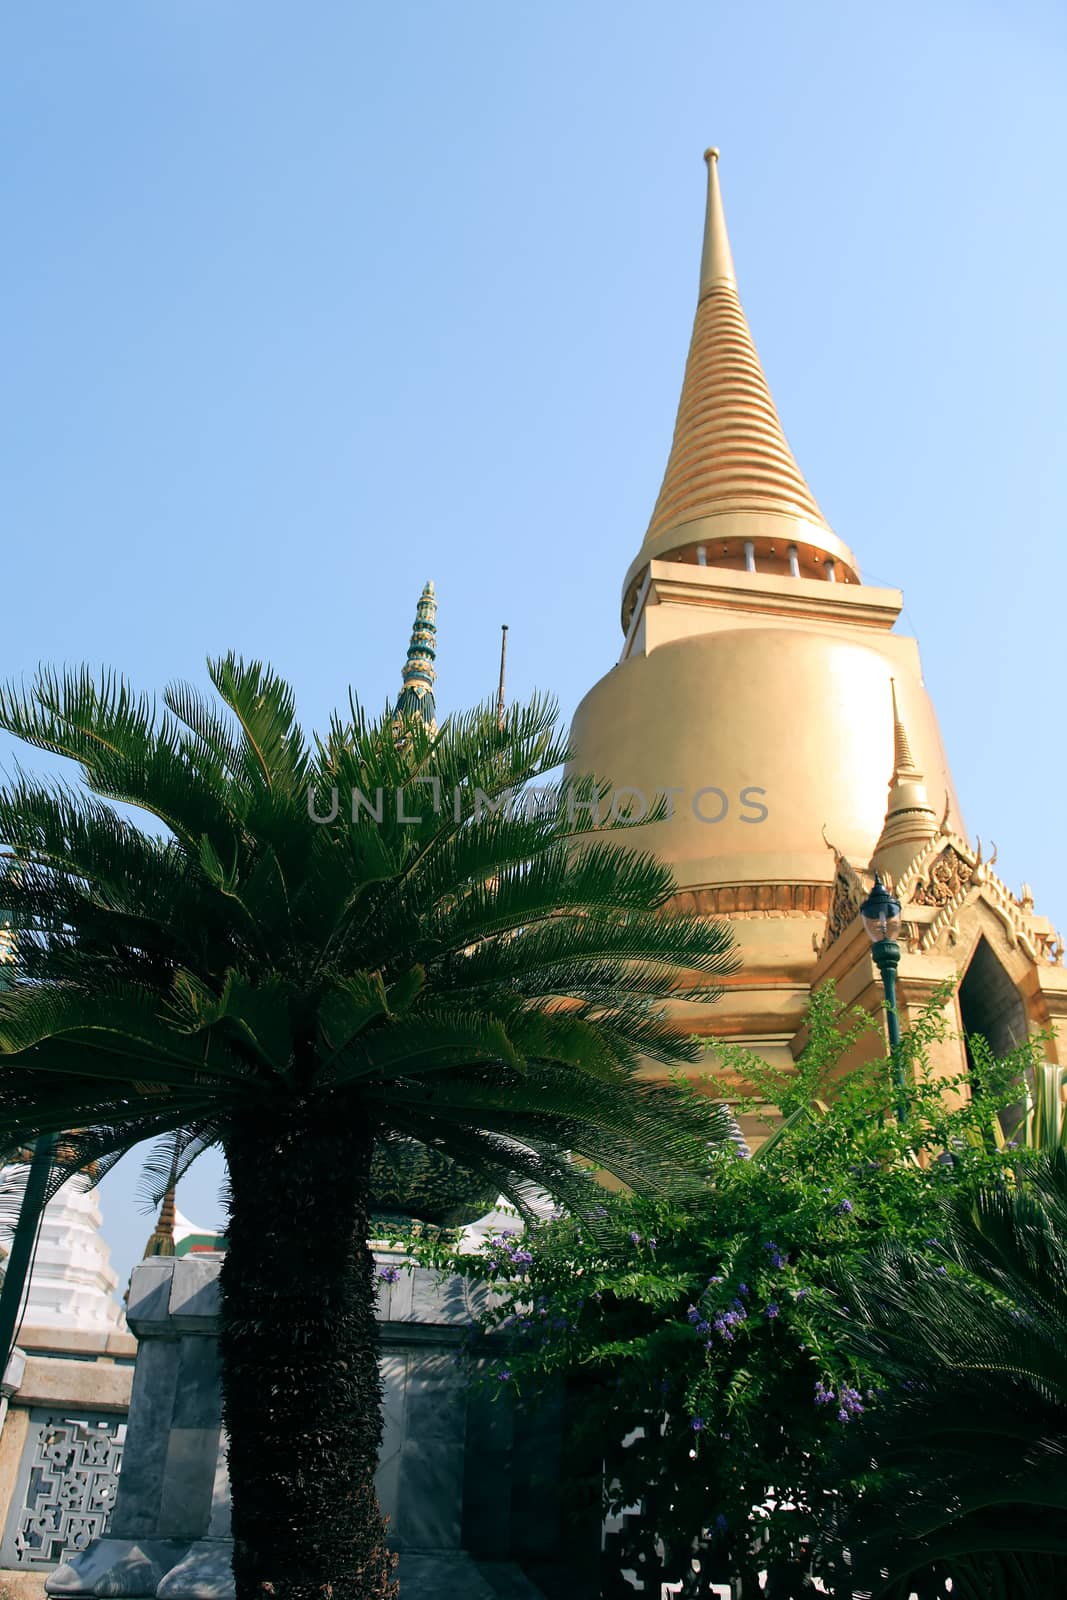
point(503, 659)
point(18, 1262)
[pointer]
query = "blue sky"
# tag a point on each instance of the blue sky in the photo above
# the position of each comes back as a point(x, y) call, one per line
point(306, 304)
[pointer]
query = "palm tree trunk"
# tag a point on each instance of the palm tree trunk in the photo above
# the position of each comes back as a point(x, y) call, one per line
point(300, 1381)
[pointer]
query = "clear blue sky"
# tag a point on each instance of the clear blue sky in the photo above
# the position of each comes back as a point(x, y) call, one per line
point(306, 304)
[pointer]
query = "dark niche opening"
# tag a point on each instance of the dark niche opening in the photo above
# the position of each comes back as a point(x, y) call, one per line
point(990, 1005)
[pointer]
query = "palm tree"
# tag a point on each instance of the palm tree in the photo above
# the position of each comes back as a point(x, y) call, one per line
point(482, 982)
point(962, 1463)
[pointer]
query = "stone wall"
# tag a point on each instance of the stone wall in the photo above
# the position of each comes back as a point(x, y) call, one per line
point(467, 1482)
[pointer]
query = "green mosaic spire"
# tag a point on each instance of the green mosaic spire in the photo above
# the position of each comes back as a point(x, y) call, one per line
point(416, 697)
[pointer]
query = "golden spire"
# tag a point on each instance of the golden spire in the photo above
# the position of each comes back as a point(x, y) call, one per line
point(162, 1241)
point(717, 259)
point(910, 819)
point(731, 476)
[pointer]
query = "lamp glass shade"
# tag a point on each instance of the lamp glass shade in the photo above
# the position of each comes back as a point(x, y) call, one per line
point(880, 913)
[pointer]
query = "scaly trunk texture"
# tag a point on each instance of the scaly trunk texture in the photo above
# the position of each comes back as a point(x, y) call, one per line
point(300, 1381)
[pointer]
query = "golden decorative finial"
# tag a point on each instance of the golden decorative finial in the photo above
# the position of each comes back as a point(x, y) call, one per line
point(716, 262)
point(903, 760)
point(910, 819)
point(711, 153)
point(162, 1242)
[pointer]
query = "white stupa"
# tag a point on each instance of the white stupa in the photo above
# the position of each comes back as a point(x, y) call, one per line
point(72, 1284)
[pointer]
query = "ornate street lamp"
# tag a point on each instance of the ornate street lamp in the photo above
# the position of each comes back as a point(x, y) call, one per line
point(881, 918)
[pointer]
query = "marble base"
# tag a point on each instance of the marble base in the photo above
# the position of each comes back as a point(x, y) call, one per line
point(158, 1569)
point(132, 1569)
point(204, 1573)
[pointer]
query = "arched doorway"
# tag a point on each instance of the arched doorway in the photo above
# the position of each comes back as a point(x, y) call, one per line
point(991, 1005)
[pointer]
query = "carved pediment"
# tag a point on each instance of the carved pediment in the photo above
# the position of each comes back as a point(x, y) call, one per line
point(946, 878)
point(847, 894)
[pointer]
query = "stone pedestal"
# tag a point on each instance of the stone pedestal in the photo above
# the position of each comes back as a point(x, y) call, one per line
point(466, 1484)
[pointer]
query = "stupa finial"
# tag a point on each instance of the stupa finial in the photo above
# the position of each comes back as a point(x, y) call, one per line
point(910, 819)
point(903, 760)
point(161, 1242)
point(717, 261)
point(419, 673)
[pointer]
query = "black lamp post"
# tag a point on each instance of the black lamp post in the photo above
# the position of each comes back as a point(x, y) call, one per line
point(881, 918)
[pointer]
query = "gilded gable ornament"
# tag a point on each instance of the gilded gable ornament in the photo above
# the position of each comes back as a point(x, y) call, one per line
point(949, 876)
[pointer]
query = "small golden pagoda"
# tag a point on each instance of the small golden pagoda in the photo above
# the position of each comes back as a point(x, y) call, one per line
point(759, 679)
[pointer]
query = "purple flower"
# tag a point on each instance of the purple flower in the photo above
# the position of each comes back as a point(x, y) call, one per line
point(727, 1321)
point(742, 1288)
point(844, 1209)
point(635, 1238)
point(801, 1293)
point(942, 1269)
point(823, 1394)
point(652, 1244)
point(504, 1375)
point(697, 1424)
point(714, 1280)
point(851, 1403)
point(771, 1310)
point(389, 1274)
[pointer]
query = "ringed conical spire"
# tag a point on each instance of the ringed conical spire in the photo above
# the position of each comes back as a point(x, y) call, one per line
point(731, 478)
point(419, 673)
point(910, 819)
point(161, 1241)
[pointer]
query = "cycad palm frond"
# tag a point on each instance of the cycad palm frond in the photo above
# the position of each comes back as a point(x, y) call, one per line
point(269, 914)
point(969, 1441)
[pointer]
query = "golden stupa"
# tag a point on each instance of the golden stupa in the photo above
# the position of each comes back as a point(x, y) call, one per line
point(762, 687)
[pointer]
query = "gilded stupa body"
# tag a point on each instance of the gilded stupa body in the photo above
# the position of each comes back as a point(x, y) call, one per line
point(762, 686)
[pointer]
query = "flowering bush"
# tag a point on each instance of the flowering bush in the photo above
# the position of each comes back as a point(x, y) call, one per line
point(712, 1329)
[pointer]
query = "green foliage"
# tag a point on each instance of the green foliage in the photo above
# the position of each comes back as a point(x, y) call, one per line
point(471, 983)
point(964, 1463)
point(715, 1326)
